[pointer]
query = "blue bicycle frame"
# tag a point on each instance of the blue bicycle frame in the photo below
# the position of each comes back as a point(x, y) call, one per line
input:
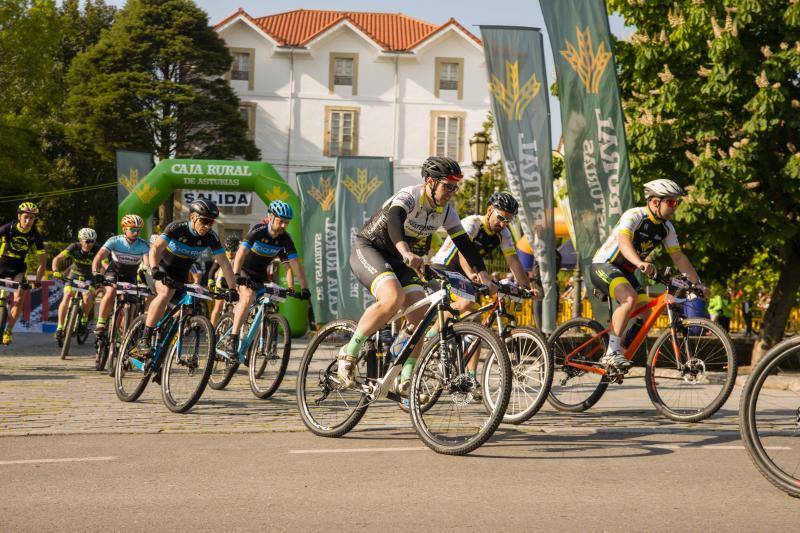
point(158, 351)
point(264, 299)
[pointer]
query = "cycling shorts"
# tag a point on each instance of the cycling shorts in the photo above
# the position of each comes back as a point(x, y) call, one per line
point(372, 267)
point(606, 277)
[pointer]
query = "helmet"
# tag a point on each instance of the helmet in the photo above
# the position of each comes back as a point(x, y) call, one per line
point(504, 201)
point(204, 208)
point(28, 207)
point(231, 243)
point(87, 234)
point(132, 221)
point(441, 167)
point(281, 209)
point(662, 188)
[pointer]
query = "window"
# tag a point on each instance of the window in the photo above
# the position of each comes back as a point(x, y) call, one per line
point(343, 71)
point(236, 210)
point(248, 112)
point(341, 131)
point(243, 65)
point(449, 75)
point(447, 134)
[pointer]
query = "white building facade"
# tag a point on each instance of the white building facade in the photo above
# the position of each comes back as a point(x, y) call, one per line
point(318, 84)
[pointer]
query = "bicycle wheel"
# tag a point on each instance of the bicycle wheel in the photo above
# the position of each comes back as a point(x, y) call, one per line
point(575, 390)
point(689, 376)
point(458, 422)
point(327, 409)
point(122, 320)
point(531, 371)
point(130, 380)
point(769, 418)
point(188, 364)
point(3, 316)
point(269, 355)
point(224, 368)
point(81, 329)
point(72, 317)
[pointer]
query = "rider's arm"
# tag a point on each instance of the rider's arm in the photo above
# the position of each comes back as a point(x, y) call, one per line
point(517, 269)
point(471, 274)
point(290, 277)
point(156, 250)
point(627, 250)
point(227, 270)
point(98, 259)
point(56, 266)
point(684, 265)
point(395, 224)
point(295, 266)
point(42, 266)
point(238, 261)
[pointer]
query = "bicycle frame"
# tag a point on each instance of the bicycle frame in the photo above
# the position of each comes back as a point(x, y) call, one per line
point(265, 305)
point(165, 341)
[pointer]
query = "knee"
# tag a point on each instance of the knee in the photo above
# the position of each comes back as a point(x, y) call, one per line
point(394, 301)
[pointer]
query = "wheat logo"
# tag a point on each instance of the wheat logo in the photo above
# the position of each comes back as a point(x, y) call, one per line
point(510, 97)
point(325, 194)
point(146, 193)
point(130, 182)
point(277, 194)
point(583, 60)
point(362, 188)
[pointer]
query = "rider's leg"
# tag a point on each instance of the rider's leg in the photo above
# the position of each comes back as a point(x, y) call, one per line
point(239, 313)
point(636, 326)
point(16, 307)
point(62, 308)
point(88, 302)
point(389, 298)
point(154, 313)
point(412, 297)
point(216, 311)
point(106, 304)
point(625, 296)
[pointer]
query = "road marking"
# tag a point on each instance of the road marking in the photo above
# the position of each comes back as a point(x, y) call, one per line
point(362, 450)
point(62, 460)
point(709, 447)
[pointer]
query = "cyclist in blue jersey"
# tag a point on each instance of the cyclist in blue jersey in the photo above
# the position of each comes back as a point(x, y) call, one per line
point(127, 252)
point(173, 254)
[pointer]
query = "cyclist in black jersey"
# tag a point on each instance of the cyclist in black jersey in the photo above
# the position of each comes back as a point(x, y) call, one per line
point(17, 240)
point(262, 244)
point(180, 244)
point(216, 281)
point(636, 235)
point(82, 254)
point(382, 260)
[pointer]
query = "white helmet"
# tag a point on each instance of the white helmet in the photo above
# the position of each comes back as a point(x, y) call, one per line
point(87, 234)
point(662, 188)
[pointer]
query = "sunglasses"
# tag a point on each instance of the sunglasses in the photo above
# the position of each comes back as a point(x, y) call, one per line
point(501, 218)
point(89, 241)
point(134, 230)
point(206, 221)
point(672, 202)
point(450, 187)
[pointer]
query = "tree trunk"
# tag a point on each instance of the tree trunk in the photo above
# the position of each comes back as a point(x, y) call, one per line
point(780, 305)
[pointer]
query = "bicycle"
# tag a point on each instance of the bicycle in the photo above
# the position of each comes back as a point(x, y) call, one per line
point(264, 348)
point(74, 326)
point(128, 303)
point(769, 419)
point(684, 382)
point(182, 348)
point(444, 411)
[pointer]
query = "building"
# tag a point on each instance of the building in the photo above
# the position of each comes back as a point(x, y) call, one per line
point(317, 84)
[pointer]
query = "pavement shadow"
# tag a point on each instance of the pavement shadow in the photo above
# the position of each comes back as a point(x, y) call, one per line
point(34, 377)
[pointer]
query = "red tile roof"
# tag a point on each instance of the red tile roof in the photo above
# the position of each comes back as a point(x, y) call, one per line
point(392, 31)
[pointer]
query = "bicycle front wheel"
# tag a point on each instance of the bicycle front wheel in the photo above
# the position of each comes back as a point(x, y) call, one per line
point(769, 416)
point(188, 364)
point(458, 422)
point(132, 372)
point(224, 367)
point(269, 355)
point(72, 318)
point(690, 376)
point(575, 390)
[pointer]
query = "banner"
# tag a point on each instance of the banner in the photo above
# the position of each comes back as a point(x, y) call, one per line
point(131, 167)
point(518, 87)
point(317, 203)
point(222, 199)
point(595, 149)
point(364, 183)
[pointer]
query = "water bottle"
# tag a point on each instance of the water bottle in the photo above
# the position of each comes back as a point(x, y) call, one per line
point(399, 343)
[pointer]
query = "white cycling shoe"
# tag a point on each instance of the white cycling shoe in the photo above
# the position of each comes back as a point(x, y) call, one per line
point(615, 360)
point(345, 375)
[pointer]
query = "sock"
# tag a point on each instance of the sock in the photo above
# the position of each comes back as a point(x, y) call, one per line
point(613, 343)
point(101, 322)
point(471, 373)
point(60, 326)
point(354, 346)
point(84, 320)
point(408, 369)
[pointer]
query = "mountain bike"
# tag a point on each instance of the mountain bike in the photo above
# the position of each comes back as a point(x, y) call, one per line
point(690, 369)
point(444, 410)
point(769, 416)
point(182, 356)
point(8, 287)
point(78, 287)
point(264, 346)
point(129, 302)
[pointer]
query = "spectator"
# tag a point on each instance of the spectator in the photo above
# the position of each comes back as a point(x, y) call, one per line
point(721, 309)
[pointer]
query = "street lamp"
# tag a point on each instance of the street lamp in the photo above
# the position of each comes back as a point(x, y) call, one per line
point(478, 147)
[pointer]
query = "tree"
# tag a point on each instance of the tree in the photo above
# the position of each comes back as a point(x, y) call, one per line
point(153, 83)
point(711, 95)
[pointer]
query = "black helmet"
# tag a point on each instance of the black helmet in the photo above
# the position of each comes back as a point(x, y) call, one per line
point(441, 167)
point(204, 208)
point(504, 201)
point(231, 243)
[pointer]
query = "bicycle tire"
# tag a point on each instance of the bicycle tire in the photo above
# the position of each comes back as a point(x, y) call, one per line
point(3, 318)
point(259, 362)
point(578, 399)
point(119, 328)
point(352, 412)
point(81, 337)
point(221, 380)
point(139, 379)
point(748, 427)
point(692, 378)
point(188, 365)
point(68, 331)
point(426, 423)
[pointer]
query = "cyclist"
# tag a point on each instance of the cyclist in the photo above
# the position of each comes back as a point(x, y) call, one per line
point(382, 260)
point(81, 253)
point(263, 243)
point(216, 281)
point(127, 252)
point(17, 239)
point(636, 235)
point(180, 244)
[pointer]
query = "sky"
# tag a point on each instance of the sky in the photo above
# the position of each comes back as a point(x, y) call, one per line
point(470, 13)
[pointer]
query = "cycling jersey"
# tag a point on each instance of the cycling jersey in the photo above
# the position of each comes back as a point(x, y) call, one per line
point(15, 245)
point(263, 249)
point(421, 221)
point(184, 245)
point(81, 261)
point(645, 230)
point(125, 255)
point(483, 239)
